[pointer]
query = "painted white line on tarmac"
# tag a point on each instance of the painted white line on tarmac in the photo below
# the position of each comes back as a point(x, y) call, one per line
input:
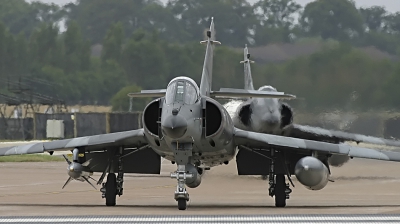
point(197, 219)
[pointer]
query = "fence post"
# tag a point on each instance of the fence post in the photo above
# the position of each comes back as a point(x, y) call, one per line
point(108, 123)
point(34, 125)
point(75, 126)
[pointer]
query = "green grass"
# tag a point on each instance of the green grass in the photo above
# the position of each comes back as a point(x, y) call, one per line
point(30, 158)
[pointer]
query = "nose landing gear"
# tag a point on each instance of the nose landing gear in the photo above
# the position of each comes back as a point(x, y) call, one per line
point(182, 152)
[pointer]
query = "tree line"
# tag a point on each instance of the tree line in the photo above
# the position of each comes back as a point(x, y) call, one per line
point(182, 21)
point(145, 44)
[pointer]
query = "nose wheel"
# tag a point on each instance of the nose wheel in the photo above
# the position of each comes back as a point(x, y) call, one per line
point(182, 204)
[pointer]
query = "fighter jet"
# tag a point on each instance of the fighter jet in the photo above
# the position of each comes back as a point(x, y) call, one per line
point(273, 116)
point(186, 126)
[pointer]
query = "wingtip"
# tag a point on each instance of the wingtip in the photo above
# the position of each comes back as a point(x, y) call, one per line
point(291, 96)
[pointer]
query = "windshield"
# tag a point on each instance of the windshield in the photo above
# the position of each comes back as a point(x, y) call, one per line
point(181, 91)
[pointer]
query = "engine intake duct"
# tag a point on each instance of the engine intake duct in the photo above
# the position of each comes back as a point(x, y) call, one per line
point(213, 118)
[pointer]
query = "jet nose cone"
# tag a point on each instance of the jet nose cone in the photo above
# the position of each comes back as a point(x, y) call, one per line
point(271, 120)
point(174, 126)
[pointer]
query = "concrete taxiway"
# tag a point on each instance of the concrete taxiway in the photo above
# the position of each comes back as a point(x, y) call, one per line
point(360, 187)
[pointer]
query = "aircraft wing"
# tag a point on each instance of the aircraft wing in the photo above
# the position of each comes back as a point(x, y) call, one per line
point(133, 138)
point(259, 140)
point(149, 93)
point(320, 134)
point(243, 93)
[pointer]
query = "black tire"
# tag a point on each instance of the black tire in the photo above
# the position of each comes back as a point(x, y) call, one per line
point(280, 187)
point(182, 204)
point(111, 189)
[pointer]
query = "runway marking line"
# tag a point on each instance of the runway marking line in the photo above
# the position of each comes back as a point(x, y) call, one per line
point(79, 191)
point(192, 219)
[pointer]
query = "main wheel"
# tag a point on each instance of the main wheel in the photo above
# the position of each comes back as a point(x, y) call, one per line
point(182, 204)
point(280, 187)
point(111, 189)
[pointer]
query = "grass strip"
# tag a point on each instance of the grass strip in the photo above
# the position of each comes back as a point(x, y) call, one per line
point(30, 158)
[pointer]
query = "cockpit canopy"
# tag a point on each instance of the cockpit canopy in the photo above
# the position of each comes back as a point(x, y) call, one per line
point(182, 90)
point(267, 88)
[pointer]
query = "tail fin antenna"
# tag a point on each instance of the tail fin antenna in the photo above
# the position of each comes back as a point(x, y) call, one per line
point(248, 79)
point(206, 76)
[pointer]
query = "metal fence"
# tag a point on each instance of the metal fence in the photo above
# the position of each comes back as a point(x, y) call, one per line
point(40, 121)
point(84, 124)
point(16, 129)
point(75, 125)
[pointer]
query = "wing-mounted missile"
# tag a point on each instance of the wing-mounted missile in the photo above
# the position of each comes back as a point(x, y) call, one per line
point(78, 171)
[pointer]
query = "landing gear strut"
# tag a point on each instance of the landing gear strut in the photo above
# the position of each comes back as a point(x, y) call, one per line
point(182, 154)
point(113, 186)
point(181, 195)
point(277, 184)
point(120, 178)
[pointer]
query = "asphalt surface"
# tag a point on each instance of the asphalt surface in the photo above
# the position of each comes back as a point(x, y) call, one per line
point(360, 187)
point(298, 219)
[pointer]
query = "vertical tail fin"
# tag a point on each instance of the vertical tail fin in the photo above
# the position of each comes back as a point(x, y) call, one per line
point(248, 80)
point(206, 76)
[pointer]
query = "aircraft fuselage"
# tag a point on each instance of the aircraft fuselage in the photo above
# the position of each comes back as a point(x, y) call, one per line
point(199, 126)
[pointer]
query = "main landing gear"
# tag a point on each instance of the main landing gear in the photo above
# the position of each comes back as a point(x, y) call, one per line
point(114, 184)
point(109, 189)
point(277, 184)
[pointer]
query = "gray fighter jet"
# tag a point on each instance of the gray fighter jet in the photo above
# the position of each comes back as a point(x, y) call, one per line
point(188, 127)
point(273, 116)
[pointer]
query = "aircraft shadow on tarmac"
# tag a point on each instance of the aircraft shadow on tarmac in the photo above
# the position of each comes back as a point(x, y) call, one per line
point(218, 206)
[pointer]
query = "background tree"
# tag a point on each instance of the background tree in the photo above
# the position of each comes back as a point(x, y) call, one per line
point(120, 101)
point(375, 18)
point(109, 45)
point(275, 21)
point(20, 16)
point(3, 49)
point(112, 44)
point(145, 61)
point(77, 50)
point(95, 17)
point(338, 19)
point(235, 19)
